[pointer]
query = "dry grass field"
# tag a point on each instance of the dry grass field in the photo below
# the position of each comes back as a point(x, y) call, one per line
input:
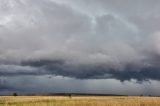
point(78, 101)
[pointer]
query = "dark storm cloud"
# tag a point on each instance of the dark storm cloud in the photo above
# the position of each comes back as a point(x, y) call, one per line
point(80, 39)
point(91, 71)
point(82, 71)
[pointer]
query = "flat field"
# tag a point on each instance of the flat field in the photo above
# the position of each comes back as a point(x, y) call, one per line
point(79, 101)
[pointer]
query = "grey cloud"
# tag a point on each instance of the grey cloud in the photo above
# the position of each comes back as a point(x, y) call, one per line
point(55, 84)
point(83, 71)
point(93, 40)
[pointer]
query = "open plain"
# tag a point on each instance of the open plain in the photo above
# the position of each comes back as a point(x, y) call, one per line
point(79, 101)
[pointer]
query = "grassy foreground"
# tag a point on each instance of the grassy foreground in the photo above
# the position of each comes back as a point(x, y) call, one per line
point(78, 101)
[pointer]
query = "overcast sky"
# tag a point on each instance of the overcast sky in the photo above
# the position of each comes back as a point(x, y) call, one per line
point(85, 46)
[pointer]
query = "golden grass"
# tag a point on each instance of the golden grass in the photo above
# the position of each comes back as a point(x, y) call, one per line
point(78, 101)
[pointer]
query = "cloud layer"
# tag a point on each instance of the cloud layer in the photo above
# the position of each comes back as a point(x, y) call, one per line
point(80, 39)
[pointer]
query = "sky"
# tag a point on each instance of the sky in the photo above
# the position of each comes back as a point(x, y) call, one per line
point(80, 46)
